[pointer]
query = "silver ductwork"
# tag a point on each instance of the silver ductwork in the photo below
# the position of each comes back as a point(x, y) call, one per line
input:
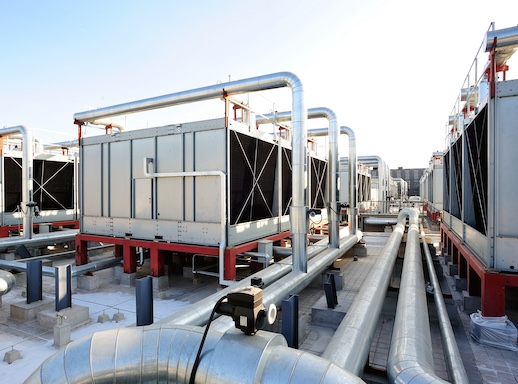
point(166, 354)
point(27, 204)
point(350, 345)
point(298, 210)
point(410, 356)
point(108, 123)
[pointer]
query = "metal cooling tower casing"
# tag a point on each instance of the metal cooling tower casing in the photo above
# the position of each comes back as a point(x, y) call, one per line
point(121, 200)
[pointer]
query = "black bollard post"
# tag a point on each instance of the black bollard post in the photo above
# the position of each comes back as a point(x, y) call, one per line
point(144, 295)
point(290, 321)
point(63, 289)
point(34, 281)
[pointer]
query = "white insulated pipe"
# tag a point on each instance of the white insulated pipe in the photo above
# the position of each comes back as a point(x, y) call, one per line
point(350, 345)
point(410, 356)
point(298, 209)
point(27, 207)
point(166, 354)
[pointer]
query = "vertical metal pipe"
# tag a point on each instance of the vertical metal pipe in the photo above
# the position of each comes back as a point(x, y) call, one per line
point(353, 180)
point(298, 210)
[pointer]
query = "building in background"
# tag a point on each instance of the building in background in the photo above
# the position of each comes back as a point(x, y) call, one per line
point(411, 176)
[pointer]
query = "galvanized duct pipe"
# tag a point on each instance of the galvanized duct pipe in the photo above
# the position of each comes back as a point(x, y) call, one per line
point(298, 210)
point(76, 270)
point(410, 356)
point(455, 364)
point(166, 354)
point(39, 239)
point(7, 281)
point(27, 207)
point(349, 347)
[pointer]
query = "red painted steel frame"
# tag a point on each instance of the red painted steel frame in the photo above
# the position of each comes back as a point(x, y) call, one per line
point(490, 284)
point(126, 248)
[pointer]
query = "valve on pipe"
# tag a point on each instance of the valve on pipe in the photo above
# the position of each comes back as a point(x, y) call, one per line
point(245, 306)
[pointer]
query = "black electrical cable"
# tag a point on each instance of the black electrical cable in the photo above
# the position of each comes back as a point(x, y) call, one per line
point(197, 361)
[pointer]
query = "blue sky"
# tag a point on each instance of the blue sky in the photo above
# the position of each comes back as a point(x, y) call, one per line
point(391, 70)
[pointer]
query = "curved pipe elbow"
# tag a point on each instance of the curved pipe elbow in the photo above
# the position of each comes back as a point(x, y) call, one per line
point(412, 213)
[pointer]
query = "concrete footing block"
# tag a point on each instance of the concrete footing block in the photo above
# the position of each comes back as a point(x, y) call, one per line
point(61, 335)
point(470, 304)
point(453, 269)
point(461, 283)
point(128, 279)
point(88, 283)
point(74, 316)
point(27, 312)
point(12, 355)
point(160, 283)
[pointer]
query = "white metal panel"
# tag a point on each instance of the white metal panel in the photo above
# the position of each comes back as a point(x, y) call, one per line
point(97, 225)
point(122, 227)
point(242, 233)
point(91, 180)
point(143, 199)
point(506, 254)
point(141, 149)
point(105, 180)
point(477, 242)
point(169, 194)
point(188, 202)
point(438, 187)
point(120, 179)
point(506, 159)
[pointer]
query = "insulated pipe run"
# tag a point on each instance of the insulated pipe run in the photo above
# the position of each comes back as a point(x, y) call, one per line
point(166, 354)
point(350, 345)
point(455, 364)
point(410, 356)
point(298, 209)
point(27, 205)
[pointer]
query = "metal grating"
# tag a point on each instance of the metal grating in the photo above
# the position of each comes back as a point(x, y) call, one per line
point(475, 212)
point(318, 173)
point(53, 184)
point(252, 170)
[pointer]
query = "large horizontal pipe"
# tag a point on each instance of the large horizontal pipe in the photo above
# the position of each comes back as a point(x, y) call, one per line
point(39, 239)
point(166, 354)
point(410, 355)
point(298, 209)
point(350, 345)
point(76, 270)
